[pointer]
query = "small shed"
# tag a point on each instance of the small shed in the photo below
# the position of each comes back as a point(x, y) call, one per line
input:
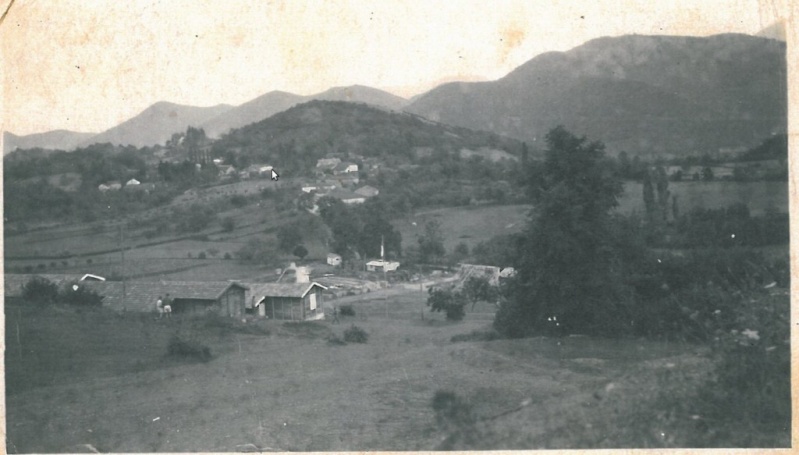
point(380, 265)
point(288, 301)
point(333, 259)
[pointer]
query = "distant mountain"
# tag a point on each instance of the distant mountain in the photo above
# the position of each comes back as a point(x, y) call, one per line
point(361, 94)
point(273, 102)
point(252, 111)
point(304, 133)
point(642, 94)
point(53, 140)
point(156, 124)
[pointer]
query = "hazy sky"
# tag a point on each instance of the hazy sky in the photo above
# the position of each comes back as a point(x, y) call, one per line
point(87, 65)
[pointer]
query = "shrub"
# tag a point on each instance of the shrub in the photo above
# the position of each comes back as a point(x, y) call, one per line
point(227, 256)
point(228, 224)
point(476, 335)
point(355, 334)
point(39, 290)
point(347, 310)
point(201, 255)
point(193, 350)
point(78, 295)
point(446, 301)
point(334, 340)
point(456, 417)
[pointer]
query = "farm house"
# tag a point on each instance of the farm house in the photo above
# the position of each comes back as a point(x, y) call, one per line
point(379, 265)
point(222, 297)
point(289, 301)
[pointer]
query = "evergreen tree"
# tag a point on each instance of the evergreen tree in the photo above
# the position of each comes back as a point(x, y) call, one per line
point(570, 274)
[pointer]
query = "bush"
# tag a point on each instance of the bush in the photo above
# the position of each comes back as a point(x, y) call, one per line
point(228, 224)
point(201, 255)
point(455, 417)
point(347, 310)
point(355, 334)
point(227, 256)
point(78, 295)
point(193, 350)
point(477, 335)
point(334, 340)
point(751, 393)
point(451, 303)
point(40, 291)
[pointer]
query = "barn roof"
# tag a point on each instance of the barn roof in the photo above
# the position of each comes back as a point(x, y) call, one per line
point(258, 291)
point(142, 295)
point(138, 295)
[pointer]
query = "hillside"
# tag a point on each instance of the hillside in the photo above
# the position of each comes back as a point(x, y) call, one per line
point(52, 140)
point(156, 124)
point(273, 102)
point(643, 94)
point(312, 130)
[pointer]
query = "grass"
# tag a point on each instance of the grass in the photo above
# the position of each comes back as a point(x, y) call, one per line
point(282, 386)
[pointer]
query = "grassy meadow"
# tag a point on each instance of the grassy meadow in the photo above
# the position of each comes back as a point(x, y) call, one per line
point(99, 378)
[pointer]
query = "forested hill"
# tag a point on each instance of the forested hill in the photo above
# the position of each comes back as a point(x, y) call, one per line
point(296, 138)
point(647, 95)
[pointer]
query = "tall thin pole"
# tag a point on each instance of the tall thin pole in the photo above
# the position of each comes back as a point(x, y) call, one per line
point(122, 251)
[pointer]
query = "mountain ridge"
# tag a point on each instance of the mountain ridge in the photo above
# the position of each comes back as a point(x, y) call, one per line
point(728, 90)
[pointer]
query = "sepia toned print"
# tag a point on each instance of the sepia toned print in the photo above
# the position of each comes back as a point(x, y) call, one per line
point(342, 226)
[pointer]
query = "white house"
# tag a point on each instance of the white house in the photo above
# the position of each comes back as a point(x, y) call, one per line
point(309, 187)
point(380, 265)
point(367, 191)
point(132, 182)
point(333, 259)
point(345, 168)
point(347, 197)
point(327, 163)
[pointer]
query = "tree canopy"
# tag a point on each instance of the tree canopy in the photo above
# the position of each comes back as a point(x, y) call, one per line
point(571, 262)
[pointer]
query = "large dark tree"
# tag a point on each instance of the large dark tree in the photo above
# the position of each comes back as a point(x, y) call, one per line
point(570, 271)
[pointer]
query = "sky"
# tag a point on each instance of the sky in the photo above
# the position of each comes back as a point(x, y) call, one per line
point(88, 65)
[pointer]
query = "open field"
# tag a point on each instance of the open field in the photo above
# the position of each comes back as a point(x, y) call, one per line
point(103, 379)
point(470, 225)
point(69, 248)
point(758, 196)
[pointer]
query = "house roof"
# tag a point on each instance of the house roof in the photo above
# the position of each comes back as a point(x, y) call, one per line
point(142, 295)
point(343, 166)
point(344, 194)
point(367, 190)
point(258, 291)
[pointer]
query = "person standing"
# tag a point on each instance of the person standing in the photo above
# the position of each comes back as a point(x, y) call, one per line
point(159, 306)
point(168, 306)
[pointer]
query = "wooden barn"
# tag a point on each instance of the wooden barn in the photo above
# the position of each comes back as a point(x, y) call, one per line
point(288, 301)
point(222, 297)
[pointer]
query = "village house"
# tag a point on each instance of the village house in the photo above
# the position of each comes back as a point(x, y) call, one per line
point(327, 164)
point(367, 191)
point(132, 182)
point(333, 259)
point(226, 170)
point(349, 179)
point(345, 168)
point(380, 265)
point(221, 297)
point(286, 301)
point(309, 187)
point(258, 170)
point(347, 197)
point(145, 187)
point(113, 185)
